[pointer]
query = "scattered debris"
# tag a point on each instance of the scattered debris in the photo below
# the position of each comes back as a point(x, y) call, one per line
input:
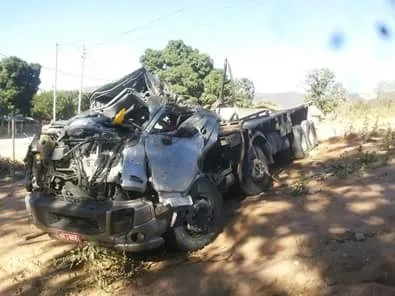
point(35, 235)
point(359, 236)
point(350, 235)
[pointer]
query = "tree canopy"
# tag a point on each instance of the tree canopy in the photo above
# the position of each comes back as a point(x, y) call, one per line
point(19, 82)
point(191, 74)
point(324, 91)
point(66, 104)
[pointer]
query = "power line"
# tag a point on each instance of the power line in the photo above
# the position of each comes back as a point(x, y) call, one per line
point(156, 20)
point(200, 25)
point(75, 74)
point(65, 72)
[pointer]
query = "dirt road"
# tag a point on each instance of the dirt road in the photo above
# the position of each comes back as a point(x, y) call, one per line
point(334, 237)
point(21, 145)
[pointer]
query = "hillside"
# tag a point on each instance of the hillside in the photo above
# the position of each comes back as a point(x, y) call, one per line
point(283, 99)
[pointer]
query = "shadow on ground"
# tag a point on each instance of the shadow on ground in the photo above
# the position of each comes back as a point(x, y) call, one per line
point(334, 237)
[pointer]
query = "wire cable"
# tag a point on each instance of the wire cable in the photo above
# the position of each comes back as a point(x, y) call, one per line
point(65, 72)
point(154, 21)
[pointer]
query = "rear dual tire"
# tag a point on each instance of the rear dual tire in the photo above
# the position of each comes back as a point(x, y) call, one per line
point(309, 128)
point(304, 138)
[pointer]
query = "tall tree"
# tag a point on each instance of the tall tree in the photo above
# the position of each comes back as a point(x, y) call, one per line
point(212, 84)
point(19, 82)
point(191, 74)
point(324, 91)
point(183, 67)
point(244, 92)
point(66, 104)
point(244, 89)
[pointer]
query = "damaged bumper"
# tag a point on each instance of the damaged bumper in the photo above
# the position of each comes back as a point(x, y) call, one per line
point(128, 225)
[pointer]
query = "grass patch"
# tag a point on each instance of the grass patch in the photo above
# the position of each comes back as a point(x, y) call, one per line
point(107, 268)
point(349, 165)
point(366, 121)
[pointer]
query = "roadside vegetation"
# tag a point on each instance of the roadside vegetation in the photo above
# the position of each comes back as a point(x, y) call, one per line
point(369, 134)
point(368, 117)
point(66, 104)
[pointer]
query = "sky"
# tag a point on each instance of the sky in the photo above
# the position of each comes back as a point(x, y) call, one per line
point(274, 43)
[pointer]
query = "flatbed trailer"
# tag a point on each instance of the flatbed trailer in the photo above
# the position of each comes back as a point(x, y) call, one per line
point(277, 135)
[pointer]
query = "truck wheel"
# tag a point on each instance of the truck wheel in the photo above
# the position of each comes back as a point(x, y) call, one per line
point(312, 135)
point(306, 129)
point(201, 222)
point(256, 175)
point(300, 144)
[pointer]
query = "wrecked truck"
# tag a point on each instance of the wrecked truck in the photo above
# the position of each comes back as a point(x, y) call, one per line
point(137, 171)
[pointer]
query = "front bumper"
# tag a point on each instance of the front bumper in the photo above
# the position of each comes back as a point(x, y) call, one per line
point(128, 225)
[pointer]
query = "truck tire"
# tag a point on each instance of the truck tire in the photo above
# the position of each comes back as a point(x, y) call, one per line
point(306, 129)
point(256, 175)
point(300, 143)
point(312, 135)
point(201, 222)
point(309, 129)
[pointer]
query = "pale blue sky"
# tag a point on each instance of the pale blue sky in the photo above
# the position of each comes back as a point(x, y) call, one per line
point(275, 43)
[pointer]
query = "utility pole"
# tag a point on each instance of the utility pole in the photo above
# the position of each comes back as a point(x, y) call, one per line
point(221, 92)
point(55, 83)
point(83, 56)
point(232, 83)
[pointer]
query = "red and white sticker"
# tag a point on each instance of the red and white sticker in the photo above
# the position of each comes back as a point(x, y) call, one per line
point(68, 236)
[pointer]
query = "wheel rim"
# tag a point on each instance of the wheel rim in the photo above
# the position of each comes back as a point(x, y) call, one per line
point(200, 217)
point(258, 167)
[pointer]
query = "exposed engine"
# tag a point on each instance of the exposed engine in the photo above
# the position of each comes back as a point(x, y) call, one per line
point(84, 159)
point(132, 171)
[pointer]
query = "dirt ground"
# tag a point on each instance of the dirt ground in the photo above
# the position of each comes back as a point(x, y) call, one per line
point(335, 236)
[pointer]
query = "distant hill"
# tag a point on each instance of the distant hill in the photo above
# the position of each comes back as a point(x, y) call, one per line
point(354, 97)
point(282, 99)
point(90, 89)
point(290, 99)
point(386, 86)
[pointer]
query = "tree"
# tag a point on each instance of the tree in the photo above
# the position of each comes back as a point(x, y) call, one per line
point(6, 98)
point(19, 82)
point(183, 67)
point(191, 74)
point(324, 91)
point(212, 84)
point(66, 104)
point(244, 92)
